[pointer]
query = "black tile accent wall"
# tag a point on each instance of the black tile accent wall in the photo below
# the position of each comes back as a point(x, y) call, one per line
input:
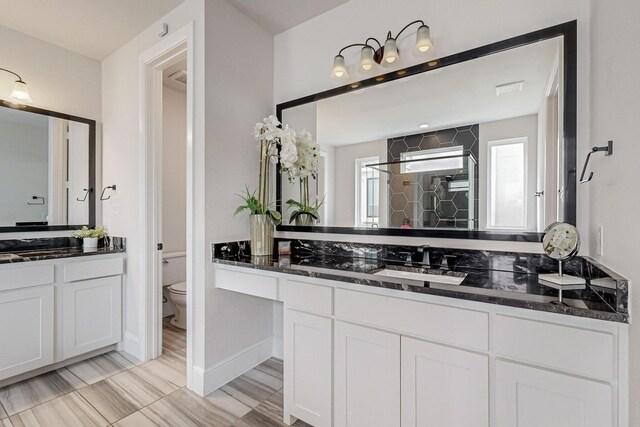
point(427, 202)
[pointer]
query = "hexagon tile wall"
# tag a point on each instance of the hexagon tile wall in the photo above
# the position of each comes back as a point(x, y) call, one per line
point(426, 200)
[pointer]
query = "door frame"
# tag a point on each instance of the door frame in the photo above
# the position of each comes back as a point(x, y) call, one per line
point(172, 48)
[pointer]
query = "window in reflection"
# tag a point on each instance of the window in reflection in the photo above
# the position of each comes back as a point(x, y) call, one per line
point(367, 193)
point(507, 184)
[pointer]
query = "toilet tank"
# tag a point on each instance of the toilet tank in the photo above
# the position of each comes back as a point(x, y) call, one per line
point(174, 268)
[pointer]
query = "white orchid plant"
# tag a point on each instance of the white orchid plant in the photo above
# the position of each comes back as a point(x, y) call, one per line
point(298, 156)
point(306, 164)
point(271, 137)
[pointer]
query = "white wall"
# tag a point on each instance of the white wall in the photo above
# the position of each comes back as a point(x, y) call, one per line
point(174, 170)
point(525, 126)
point(615, 202)
point(301, 70)
point(24, 170)
point(239, 92)
point(236, 92)
point(345, 173)
point(58, 80)
point(123, 166)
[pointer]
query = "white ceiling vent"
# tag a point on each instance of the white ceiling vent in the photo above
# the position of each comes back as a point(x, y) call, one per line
point(179, 76)
point(512, 87)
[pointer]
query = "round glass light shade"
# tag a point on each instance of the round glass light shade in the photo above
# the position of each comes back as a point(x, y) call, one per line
point(367, 63)
point(20, 92)
point(339, 68)
point(423, 39)
point(391, 55)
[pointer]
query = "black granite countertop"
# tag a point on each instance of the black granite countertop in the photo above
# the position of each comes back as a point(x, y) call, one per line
point(26, 256)
point(41, 249)
point(504, 280)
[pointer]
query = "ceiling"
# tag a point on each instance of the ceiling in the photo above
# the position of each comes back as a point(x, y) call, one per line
point(277, 16)
point(170, 73)
point(94, 28)
point(457, 95)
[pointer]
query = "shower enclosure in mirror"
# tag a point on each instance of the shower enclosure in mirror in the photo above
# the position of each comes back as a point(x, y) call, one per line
point(476, 145)
point(46, 169)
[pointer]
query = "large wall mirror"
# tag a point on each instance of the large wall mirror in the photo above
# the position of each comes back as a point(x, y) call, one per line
point(47, 170)
point(480, 144)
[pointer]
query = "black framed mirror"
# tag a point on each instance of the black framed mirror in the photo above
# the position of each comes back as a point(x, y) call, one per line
point(477, 145)
point(47, 169)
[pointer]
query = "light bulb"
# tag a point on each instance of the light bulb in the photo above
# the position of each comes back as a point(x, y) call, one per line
point(20, 92)
point(339, 68)
point(423, 39)
point(366, 58)
point(390, 52)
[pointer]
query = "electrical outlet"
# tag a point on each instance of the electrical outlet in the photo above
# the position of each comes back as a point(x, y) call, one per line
point(599, 242)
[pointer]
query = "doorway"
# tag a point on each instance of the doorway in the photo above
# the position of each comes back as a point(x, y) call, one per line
point(173, 53)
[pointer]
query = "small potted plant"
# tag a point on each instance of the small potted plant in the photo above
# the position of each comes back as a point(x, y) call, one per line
point(90, 236)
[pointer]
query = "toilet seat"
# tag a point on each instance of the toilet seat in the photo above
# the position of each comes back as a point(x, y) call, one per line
point(178, 288)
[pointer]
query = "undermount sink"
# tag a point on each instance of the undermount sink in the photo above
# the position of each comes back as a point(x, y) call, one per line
point(446, 277)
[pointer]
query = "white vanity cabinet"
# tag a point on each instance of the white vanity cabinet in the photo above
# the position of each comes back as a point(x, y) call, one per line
point(366, 377)
point(533, 397)
point(357, 355)
point(308, 344)
point(91, 305)
point(53, 310)
point(443, 386)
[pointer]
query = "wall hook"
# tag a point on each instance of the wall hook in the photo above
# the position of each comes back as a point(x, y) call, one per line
point(86, 194)
point(608, 150)
point(36, 198)
point(111, 187)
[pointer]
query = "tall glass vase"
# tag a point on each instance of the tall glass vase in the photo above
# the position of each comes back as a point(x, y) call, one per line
point(262, 228)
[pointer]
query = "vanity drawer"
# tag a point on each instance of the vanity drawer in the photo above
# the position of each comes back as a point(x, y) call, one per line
point(21, 277)
point(247, 283)
point(306, 297)
point(569, 349)
point(451, 325)
point(83, 270)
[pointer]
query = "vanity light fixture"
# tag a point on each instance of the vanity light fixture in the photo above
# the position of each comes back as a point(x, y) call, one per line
point(386, 55)
point(20, 92)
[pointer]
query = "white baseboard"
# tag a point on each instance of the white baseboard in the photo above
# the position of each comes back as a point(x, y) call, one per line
point(131, 344)
point(206, 381)
point(278, 348)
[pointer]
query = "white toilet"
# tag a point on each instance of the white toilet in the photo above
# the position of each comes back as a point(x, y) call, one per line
point(174, 274)
point(178, 298)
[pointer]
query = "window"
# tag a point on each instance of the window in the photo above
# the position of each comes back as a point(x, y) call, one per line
point(507, 184)
point(432, 161)
point(367, 192)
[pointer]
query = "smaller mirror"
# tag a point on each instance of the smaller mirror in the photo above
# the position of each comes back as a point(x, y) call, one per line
point(46, 169)
point(561, 241)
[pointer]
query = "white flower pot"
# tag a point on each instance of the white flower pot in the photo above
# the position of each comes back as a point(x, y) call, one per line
point(90, 243)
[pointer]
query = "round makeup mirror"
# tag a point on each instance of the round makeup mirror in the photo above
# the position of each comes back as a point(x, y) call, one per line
point(561, 241)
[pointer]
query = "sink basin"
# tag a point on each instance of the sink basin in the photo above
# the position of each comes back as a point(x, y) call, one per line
point(446, 277)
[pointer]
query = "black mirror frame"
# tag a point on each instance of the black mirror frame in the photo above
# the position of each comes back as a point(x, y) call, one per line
point(568, 31)
point(92, 170)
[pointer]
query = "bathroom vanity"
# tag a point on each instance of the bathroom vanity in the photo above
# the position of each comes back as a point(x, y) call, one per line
point(369, 349)
point(58, 304)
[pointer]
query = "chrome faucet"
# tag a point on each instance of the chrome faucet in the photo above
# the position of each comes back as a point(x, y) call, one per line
point(426, 255)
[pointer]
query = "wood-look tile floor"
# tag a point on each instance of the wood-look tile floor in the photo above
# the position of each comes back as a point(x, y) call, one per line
point(114, 390)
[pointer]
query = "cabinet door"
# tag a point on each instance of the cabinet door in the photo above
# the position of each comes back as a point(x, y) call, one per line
point(26, 335)
point(366, 377)
point(308, 344)
point(531, 397)
point(443, 386)
point(92, 314)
